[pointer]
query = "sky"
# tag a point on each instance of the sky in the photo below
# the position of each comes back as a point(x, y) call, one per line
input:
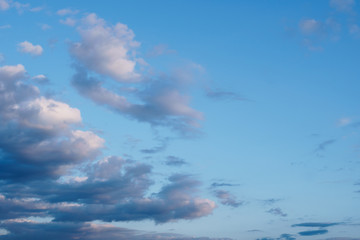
point(180, 120)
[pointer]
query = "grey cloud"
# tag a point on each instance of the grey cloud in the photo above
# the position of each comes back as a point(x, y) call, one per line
point(271, 201)
point(175, 161)
point(313, 232)
point(85, 231)
point(37, 137)
point(163, 103)
point(223, 184)
point(314, 224)
point(277, 211)
point(283, 236)
point(40, 153)
point(175, 201)
point(161, 147)
point(227, 198)
point(224, 95)
point(324, 145)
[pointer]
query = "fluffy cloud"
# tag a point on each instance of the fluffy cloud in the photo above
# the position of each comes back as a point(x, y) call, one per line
point(40, 141)
point(106, 49)
point(28, 47)
point(49, 114)
point(49, 169)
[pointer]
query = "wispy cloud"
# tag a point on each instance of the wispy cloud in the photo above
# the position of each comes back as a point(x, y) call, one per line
point(324, 145)
point(315, 224)
point(226, 198)
point(313, 232)
point(67, 11)
point(277, 211)
point(175, 161)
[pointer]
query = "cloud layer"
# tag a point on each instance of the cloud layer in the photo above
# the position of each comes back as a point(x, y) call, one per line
point(49, 168)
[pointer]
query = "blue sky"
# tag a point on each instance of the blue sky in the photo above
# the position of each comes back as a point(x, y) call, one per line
point(180, 120)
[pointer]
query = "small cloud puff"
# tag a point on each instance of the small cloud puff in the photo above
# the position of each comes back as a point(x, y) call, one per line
point(28, 47)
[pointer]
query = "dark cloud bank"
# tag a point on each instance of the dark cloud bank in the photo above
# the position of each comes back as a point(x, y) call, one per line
point(51, 170)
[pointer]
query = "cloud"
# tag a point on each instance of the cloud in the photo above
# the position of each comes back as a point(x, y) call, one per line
point(224, 95)
point(49, 169)
point(227, 198)
point(174, 201)
point(175, 161)
point(66, 11)
point(85, 231)
point(271, 201)
point(7, 26)
point(324, 145)
point(27, 47)
point(223, 184)
point(45, 26)
point(277, 211)
point(42, 79)
point(4, 5)
point(310, 26)
point(344, 121)
point(163, 104)
point(159, 50)
point(68, 21)
point(313, 232)
point(39, 131)
point(342, 5)
point(161, 147)
point(283, 236)
point(105, 49)
point(314, 224)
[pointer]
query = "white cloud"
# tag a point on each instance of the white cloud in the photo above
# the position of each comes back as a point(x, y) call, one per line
point(4, 5)
point(50, 114)
point(28, 47)
point(107, 50)
point(68, 21)
point(40, 78)
point(86, 142)
point(66, 11)
point(12, 72)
